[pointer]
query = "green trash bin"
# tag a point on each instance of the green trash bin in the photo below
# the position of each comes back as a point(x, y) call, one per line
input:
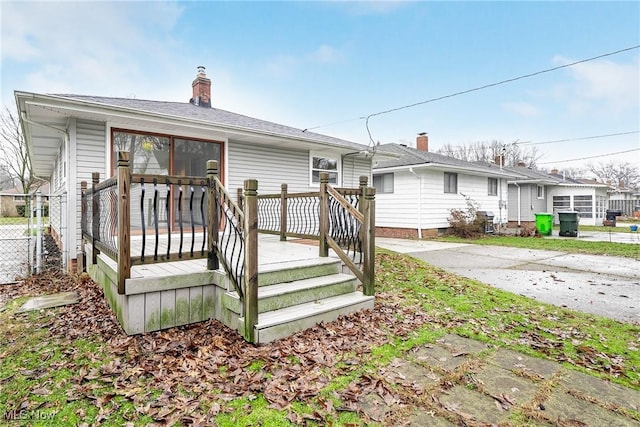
point(544, 223)
point(568, 223)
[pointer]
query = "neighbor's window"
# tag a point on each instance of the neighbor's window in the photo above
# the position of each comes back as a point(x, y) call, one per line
point(383, 183)
point(492, 185)
point(450, 182)
point(584, 205)
point(540, 191)
point(324, 164)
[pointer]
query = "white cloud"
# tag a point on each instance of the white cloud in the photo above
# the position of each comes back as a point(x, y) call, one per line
point(285, 65)
point(85, 47)
point(522, 109)
point(325, 54)
point(603, 85)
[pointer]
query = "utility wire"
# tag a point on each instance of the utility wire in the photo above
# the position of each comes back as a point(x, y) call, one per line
point(590, 157)
point(576, 139)
point(415, 104)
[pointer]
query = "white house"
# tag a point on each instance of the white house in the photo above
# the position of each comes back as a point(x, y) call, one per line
point(416, 192)
point(538, 192)
point(71, 136)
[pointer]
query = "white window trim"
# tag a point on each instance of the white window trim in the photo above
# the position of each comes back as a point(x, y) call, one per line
point(382, 189)
point(333, 156)
point(489, 193)
point(444, 186)
point(538, 186)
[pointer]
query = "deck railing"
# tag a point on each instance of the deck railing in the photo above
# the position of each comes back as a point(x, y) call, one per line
point(342, 219)
point(176, 218)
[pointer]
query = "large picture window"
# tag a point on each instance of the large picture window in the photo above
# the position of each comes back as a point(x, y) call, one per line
point(164, 154)
point(450, 182)
point(584, 205)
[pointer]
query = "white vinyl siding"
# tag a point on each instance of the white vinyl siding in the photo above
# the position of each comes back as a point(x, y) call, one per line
point(270, 166)
point(530, 204)
point(353, 168)
point(400, 208)
point(90, 157)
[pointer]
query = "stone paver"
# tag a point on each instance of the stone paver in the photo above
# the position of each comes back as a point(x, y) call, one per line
point(497, 387)
point(49, 301)
point(564, 408)
point(517, 362)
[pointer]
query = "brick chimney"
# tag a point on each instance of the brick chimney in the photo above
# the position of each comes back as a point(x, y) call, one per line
point(522, 164)
point(201, 90)
point(554, 171)
point(422, 142)
point(499, 160)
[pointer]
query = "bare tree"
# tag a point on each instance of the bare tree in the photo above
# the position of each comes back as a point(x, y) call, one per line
point(488, 151)
point(619, 174)
point(15, 162)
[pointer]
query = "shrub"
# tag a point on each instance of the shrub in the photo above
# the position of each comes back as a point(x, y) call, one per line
point(466, 223)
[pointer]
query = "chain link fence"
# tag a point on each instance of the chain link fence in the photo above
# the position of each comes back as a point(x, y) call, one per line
point(31, 234)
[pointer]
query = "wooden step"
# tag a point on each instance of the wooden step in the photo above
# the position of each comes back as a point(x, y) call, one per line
point(282, 323)
point(289, 271)
point(281, 295)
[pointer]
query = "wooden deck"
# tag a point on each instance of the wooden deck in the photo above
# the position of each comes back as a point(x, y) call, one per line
point(270, 251)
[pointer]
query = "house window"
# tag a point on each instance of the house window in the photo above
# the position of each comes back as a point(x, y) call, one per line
point(324, 164)
point(492, 184)
point(383, 183)
point(584, 205)
point(450, 182)
point(165, 155)
point(561, 203)
point(540, 191)
point(601, 203)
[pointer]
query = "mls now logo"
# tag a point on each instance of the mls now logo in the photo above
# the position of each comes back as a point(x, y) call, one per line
point(28, 415)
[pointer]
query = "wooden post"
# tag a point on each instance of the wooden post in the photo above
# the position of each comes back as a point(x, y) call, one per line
point(212, 216)
point(250, 258)
point(362, 184)
point(83, 215)
point(283, 212)
point(124, 232)
point(324, 214)
point(95, 220)
point(369, 241)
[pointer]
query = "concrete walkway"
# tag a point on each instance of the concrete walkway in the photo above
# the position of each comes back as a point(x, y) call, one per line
point(486, 386)
point(602, 285)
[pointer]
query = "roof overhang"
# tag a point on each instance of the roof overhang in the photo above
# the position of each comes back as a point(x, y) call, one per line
point(446, 168)
point(45, 121)
point(532, 181)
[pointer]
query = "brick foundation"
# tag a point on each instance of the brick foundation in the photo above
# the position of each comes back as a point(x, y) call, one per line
point(406, 233)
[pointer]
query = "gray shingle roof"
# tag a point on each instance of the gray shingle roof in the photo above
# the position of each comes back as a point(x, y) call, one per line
point(408, 156)
point(214, 116)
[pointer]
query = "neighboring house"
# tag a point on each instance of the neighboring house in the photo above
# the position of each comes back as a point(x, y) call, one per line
point(539, 192)
point(12, 199)
point(416, 192)
point(71, 136)
point(625, 199)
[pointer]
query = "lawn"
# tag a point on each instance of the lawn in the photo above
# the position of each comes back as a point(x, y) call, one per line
point(564, 245)
point(74, 365)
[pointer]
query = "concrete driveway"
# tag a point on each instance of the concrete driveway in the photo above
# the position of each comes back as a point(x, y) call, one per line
point(603, 285)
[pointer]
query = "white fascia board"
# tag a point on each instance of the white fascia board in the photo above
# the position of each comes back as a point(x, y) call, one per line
point(446, 168)
point(52, 101)
point(532, 181)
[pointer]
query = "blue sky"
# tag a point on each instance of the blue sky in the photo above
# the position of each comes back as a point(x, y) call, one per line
point(307, 64)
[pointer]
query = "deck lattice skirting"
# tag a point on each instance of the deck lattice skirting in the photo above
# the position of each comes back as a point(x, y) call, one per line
point(171, 250)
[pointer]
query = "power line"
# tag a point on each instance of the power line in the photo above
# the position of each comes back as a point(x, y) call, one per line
point(577, 139)
point(463, 92)
point(590, 157)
